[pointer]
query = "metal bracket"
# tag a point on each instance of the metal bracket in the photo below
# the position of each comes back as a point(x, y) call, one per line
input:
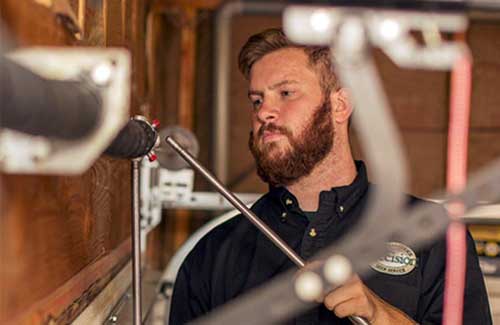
point(162, 188)
point(389, 30)
point(109, 69)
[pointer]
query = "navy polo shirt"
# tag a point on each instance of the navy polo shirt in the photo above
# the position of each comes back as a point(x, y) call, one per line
point(236, 257)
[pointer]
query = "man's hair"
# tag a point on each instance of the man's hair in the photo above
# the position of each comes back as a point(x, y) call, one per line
point(274, 39)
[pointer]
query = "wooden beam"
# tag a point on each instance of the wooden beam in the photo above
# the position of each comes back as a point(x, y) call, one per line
point(187, 68)
point(82, 8)
point(100, 308)
point(45, 30)
point(113, 22)
point(64, 304)
point(163, 62)
point(62, 238)
point(166, 5)
point(186, 101)
point(138, 49)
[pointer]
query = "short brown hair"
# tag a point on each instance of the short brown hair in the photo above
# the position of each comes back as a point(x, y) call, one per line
point(274, 39)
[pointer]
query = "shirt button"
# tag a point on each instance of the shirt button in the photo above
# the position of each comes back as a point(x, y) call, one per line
point(341, 208)
point(288, 202)
point(312, 232)
point(283, 215)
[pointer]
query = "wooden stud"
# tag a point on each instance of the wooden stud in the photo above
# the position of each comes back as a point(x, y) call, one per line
point(167, 5)
point(186, 102)
point(113, 22)
point(82, 8)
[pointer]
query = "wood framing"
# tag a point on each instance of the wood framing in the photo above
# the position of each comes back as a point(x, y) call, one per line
point(62, 239)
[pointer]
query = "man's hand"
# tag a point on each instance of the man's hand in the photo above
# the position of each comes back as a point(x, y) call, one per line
point(354, 298)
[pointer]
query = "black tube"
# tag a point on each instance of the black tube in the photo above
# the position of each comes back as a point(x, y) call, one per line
point(135, 140)
point(31, 104)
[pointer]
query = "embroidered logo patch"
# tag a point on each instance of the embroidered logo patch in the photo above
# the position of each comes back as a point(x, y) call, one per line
point(399, 260)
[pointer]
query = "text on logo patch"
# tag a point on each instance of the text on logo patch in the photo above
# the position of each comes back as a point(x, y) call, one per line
point(399, 260)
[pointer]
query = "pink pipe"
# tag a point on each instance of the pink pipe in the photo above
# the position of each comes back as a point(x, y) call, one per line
point(456, 177)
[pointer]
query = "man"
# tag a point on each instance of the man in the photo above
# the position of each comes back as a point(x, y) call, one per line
point(317, 193)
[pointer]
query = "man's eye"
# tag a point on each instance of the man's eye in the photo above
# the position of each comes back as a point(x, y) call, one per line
point(256, 103)
point(286, 93)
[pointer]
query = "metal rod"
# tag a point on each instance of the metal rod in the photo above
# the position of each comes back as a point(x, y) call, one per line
point(238, 204)
point(282, 245)
point(222, 82)
point(357, 320)
point(136, 246)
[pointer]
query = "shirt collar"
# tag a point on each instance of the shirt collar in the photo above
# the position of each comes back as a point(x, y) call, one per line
point(349, 195)
point(343, 197)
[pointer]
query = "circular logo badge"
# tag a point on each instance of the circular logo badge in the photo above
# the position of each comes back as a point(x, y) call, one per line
point(399, 260)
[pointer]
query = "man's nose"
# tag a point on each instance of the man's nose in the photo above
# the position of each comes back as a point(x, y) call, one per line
point(268, 112)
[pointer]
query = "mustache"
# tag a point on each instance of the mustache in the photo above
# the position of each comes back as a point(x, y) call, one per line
point(271, 127)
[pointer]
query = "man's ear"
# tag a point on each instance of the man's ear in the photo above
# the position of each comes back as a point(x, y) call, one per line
point(341, 105)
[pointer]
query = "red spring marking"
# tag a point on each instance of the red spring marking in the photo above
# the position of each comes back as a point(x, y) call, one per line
point(155, 123)
point(152, 157)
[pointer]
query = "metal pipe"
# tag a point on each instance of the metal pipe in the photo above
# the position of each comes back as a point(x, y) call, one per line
point(268, 232)
point(456, 175)
point(222, 69)
point(136, 246)
point(282, 245)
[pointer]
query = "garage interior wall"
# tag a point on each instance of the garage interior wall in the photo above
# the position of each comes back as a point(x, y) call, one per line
point(62, 239)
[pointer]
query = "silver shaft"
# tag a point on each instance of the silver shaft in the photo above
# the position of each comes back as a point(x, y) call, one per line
point(237, 204)
point(248, 213)
point(357, 320)
point(136, 246)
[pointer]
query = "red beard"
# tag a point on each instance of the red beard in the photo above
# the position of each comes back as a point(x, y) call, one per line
point(307, 149)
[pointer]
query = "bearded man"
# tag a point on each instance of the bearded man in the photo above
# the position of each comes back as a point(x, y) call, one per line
point(317, 192)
